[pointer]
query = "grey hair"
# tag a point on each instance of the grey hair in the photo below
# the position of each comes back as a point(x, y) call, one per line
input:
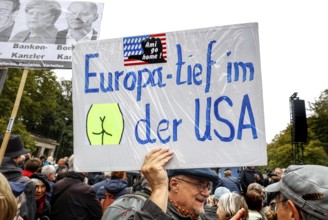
point(230, 203)
point(48, 169)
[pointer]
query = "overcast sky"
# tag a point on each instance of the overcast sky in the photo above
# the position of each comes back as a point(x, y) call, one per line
point(293, 41)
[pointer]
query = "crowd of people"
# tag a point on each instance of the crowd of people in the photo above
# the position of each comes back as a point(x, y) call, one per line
point(43, 188)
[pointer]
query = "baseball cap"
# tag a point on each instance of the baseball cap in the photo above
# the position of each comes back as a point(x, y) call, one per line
point(307, 187)
point(198, 173)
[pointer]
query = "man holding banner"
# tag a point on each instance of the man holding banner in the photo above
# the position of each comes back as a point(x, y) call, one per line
point(164, 204)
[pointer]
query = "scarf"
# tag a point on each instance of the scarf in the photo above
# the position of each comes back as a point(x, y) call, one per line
point(40, 204)
point(185, 212)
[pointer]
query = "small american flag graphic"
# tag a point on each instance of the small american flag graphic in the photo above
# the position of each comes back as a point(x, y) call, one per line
point(145, 49)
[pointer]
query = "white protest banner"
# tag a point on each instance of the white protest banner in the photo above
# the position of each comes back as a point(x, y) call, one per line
point(40, 33)
point(197, 92)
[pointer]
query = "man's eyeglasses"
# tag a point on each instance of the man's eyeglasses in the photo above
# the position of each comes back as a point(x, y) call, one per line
point(200, 186)
point(273, 204)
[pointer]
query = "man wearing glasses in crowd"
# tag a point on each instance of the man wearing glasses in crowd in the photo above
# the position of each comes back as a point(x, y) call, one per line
point(301, 194)
point(188, 190)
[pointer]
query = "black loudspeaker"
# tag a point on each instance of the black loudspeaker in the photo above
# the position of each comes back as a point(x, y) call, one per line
point(299, 121)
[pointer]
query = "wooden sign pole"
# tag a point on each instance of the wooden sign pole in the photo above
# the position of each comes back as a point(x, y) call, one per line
point(13, 115)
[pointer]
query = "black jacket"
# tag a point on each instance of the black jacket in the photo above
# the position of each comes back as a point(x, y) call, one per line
point(74, 200)
point(248, 176)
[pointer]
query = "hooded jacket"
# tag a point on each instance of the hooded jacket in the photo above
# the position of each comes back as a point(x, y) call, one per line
point(116, 187)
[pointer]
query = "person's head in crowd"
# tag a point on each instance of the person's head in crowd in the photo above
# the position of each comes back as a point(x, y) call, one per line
point(50, 159)
point(229, 204)
point(41, 185)
point(43, 158)
point(220, 191)
point(118, 175)
point(15, 148)
point(278, 173)
point(61, 163)
point(189, 189)
point(254, 199)
point(227, 172)
point(301, 194)
point(33, 165)
point(42, 14)
point(8, 203)
point(49, 171)
point(258, 188)
point(81, 15)
point(8, 12)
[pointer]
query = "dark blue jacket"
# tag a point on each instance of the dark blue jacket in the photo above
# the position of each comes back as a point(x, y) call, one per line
point(116, 187)
point(231, 183)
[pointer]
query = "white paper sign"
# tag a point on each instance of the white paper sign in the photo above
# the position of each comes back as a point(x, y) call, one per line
point(197, 92)
point(40, 33)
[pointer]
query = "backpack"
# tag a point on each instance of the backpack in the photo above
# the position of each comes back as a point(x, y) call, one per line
point(124, 207)
point(18, 189)
point(107, 201)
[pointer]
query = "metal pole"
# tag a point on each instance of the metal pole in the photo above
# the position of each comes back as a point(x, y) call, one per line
point(291, 106)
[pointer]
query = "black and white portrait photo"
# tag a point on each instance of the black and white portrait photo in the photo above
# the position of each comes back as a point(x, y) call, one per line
point(8, 13)
point(41, 16)
point(80, 17)
point(41, 33)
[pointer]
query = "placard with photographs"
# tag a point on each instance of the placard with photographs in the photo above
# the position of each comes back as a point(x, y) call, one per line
point(41, 33)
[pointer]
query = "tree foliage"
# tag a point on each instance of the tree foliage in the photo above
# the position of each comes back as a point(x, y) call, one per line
point(45, 108)
point(320, 119)
point(281, 151)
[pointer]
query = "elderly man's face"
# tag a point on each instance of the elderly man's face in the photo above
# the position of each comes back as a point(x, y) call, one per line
point(80, 16)
point(192, 193)
point(278, 172)
point(40, 188)
point(7, 15)
point(39, 18)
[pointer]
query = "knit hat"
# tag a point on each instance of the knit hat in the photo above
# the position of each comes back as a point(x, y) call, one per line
point(307, 187)
point(220, 191)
